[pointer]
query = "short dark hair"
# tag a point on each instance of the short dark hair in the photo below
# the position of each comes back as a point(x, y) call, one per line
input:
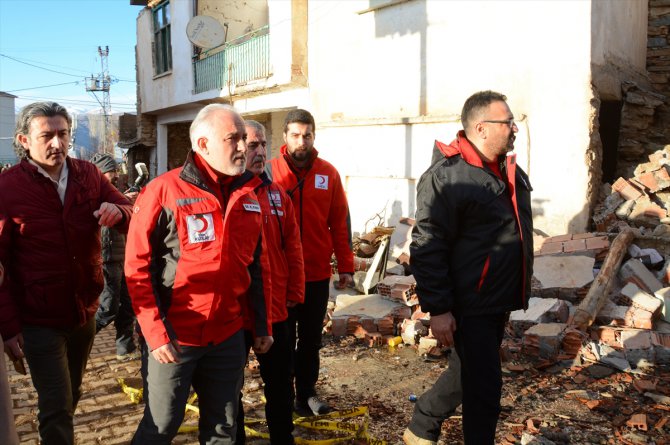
point(475, 103)
point(26, 116)
point(299, 115)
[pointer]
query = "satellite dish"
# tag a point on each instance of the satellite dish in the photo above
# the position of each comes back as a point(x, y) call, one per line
point(205, 31)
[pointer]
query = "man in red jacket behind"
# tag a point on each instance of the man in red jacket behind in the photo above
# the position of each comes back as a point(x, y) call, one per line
point(50, 218)
point(195, 256)
point(322, 212)
point(282, 238)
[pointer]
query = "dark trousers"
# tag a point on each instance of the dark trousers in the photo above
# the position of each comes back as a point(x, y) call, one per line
point(216, 374)
point(115, 306)
point(57, 360)
point(275, 368)
point(308, 317)
point(439, 402)
point(477, 341)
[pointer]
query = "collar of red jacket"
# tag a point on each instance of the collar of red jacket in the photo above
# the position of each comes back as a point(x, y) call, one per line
point(461, 146)
point(289, 160)
point(210, 175)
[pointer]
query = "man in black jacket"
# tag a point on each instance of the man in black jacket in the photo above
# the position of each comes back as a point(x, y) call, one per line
point(472, 256)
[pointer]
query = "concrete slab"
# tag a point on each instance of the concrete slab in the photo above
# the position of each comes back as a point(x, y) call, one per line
point(569, 271)
point(373, 306)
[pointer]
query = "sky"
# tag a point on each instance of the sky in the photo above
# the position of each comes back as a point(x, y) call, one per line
point(48, 48)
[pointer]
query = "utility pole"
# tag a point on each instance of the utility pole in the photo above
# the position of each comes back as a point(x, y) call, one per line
point(102, 83)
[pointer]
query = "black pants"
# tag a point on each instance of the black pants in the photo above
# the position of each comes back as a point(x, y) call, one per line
point(308, 317)
point(477, 340)
point(275, 368)
point(115, 306)
point(57, 360)
point(216, 373)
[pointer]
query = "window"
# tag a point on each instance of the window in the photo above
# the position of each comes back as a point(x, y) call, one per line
point(162, 45)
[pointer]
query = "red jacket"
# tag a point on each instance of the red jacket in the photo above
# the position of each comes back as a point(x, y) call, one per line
point(322, 212)
point(282, 237)
point(51, 250)
point(190, 263)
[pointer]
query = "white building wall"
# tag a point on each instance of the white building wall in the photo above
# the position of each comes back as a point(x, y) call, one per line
point(7, 127)
point(425, 58)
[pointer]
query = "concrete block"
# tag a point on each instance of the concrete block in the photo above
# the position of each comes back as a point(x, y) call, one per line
point(426, 344)
point(664, 295)
point(635, 339)
point(544, 339)
point(633, 271)
point(640, 299)
point(540, 310)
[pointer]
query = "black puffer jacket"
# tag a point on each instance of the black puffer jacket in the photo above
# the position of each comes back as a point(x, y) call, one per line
point(467, 253)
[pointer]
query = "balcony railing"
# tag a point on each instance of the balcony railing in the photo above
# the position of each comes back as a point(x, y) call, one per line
point(237, 62)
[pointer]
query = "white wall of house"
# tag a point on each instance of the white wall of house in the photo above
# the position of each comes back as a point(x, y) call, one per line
point(421, 60)
point(7, 127)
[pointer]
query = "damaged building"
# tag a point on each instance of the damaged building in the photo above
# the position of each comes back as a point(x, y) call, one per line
point(385, 78)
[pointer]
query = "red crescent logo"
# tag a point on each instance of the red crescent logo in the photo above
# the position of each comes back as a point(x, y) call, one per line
point(204, 223)
point(322, 180)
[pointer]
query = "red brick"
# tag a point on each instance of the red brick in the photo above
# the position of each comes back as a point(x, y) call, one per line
point(373, 339)
point(600, 242)
point(648, 180)
point(582, 235)
point(555, 239)
point(607, 335)
point(574, 245)
point(626, 189)
point(339, 327)
point(549, 248)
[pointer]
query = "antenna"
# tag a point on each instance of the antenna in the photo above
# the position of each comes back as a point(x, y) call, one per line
point(102, 82)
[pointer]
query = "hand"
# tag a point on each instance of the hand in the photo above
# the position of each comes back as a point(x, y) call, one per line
point(132, 196)
point(108, 214)
point(262, 344)
point(443, 327)
point(168, 353)
point(290, 303)
point(14, 347)
point(346, 279)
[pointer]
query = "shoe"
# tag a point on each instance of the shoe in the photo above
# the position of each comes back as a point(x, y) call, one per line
point(312, 407)
point(135, 355)
point(412, 439)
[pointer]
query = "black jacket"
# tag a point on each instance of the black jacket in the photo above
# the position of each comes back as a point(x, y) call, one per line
point(467, 253)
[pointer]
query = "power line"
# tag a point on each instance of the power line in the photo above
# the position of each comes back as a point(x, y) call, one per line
point(50, 64)
point(40, 67)
point(77, 101)
point(43, 86)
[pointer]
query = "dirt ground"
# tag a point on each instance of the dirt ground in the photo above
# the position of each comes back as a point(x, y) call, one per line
point(560, 403)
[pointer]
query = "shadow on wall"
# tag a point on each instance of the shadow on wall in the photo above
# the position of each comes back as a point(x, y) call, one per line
point(579, 223)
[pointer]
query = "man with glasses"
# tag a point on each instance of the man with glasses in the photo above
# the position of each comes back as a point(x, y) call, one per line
point(472, 257)
point(195, 263)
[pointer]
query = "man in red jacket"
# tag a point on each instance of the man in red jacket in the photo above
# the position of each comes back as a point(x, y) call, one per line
point(282, 238)
point(323, 217)
point(50, 245)
point(195, 256)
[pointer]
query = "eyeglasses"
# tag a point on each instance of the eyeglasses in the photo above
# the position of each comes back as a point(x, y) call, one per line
point(510, 122)
point(255, 144)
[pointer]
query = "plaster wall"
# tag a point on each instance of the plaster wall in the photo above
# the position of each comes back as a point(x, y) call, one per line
point(242, 16)
point(421, 60)
point(618, 45)
point(7, 127)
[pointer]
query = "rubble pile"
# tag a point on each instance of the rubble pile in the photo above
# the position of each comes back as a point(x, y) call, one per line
point(641, 201)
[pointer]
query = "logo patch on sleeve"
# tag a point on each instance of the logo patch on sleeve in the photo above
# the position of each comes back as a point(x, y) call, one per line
point(321, 182)
point(200, 228)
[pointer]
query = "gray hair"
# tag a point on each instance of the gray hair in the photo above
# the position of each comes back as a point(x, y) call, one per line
point(26, 116)
point(203, 115)
point(255, 125)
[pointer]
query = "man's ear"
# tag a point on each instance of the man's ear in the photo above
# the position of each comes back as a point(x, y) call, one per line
point(23, 140)
point(480, 130)
point(202, 145)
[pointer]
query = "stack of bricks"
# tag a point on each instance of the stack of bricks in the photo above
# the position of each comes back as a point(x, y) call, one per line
point(399, 288)
point(572, 243)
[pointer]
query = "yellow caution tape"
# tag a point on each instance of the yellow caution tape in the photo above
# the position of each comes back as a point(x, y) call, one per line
point(134, 394)
point(325, 422)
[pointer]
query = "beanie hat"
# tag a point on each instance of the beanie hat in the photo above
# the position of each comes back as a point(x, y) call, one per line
point(104, 162)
